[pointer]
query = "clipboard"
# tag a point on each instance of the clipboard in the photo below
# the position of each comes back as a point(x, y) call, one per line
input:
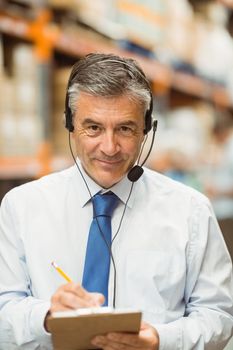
point(75, 332)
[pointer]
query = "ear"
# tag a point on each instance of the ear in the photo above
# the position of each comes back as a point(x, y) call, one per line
point(64, 119)
point(143, 137)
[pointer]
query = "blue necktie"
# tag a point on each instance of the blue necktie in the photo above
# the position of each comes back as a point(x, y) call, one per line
point(97, 261)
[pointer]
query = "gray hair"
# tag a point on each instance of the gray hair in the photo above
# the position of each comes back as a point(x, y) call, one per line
point(108, 75)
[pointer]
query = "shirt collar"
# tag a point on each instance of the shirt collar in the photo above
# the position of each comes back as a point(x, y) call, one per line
point(121, 189)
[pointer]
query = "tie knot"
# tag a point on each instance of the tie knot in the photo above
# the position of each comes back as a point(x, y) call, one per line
point(103, 205)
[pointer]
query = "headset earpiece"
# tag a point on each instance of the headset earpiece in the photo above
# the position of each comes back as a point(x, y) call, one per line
point(148, 122)
point(69, 120)
point(68, 114)
point(148, 116)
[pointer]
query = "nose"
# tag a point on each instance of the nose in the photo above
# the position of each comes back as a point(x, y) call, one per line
point(109, 143)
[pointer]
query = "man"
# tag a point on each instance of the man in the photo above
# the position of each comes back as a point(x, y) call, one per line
point(168, 257)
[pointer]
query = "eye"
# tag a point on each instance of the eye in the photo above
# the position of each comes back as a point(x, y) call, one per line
point(126, 130)
point(93, 129)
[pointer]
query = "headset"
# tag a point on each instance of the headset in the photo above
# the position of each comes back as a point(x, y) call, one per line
point(136, 171)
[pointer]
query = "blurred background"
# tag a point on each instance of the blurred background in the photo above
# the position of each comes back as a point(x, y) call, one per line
point(185, 48)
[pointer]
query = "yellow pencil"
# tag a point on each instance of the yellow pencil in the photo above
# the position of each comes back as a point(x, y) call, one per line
point(61, 272)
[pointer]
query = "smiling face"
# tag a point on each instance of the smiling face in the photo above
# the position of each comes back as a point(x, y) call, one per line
point(108, 133)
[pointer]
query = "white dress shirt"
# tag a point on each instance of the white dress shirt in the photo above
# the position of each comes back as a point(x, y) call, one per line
point(171, 260)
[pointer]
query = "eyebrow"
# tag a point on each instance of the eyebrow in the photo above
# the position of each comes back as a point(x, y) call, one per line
point(128, 122)
point(124, 122)
point(90, 121)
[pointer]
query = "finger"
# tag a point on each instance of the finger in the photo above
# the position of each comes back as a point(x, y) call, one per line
point(144, 339)
point(126, 339)
point(144, 325)
point(65, 300)
point(119, 346)
point(103, 342)
point(74, 288)
point(68, 300)
point(96, 299)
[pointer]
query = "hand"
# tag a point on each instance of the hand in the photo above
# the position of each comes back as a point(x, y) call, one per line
point(73, 296)
point(147, 339)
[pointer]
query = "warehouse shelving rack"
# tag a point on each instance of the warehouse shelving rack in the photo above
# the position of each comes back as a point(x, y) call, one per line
point(46, 37)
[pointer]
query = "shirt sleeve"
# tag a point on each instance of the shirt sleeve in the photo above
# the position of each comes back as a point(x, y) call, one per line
point(208, 320)
point(21, 314)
